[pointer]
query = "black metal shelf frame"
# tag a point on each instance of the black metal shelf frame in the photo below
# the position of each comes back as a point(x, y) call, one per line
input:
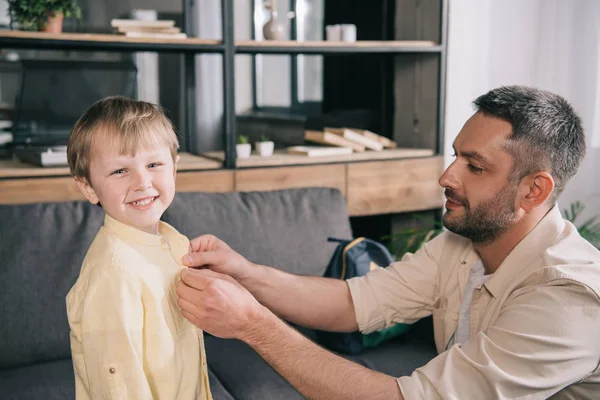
point(228, 49)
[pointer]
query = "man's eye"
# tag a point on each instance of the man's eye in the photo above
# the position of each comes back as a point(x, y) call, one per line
point(475, 169)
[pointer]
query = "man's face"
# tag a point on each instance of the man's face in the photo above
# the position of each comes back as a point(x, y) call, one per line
point(480, 197)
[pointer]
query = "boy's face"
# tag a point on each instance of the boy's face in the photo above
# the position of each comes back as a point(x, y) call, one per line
point(135, 190)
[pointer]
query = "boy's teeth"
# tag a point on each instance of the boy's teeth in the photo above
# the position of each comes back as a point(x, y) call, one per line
point(143, 202)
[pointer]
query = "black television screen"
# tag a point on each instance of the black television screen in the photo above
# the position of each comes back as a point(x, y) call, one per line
point(55, 93)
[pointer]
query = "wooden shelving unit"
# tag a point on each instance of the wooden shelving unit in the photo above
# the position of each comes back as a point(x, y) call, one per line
point(389, 181)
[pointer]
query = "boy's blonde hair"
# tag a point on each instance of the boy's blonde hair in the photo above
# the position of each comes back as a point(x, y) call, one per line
point(131, 124)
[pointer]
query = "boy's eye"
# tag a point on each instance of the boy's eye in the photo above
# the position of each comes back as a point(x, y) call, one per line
point(118, 172)
point(154, 165)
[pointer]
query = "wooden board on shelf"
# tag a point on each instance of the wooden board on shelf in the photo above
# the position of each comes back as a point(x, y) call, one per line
point(37, 190)
point(94, 37)
point(281, 157)
point(16, 169)
point(394, 186)
point(324, 43)
point(333, 176)
point(205, 181)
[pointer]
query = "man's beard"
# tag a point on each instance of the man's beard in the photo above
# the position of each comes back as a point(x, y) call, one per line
point(487, 221)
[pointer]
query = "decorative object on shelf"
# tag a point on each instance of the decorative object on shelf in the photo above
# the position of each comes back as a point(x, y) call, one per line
point(243, 148)
point(348, 33)
point(42, 15)
point(264, 147)
point(273, 29)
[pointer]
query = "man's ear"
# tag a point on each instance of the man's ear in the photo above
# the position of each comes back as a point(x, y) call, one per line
point(537, 188)
point(87, 190)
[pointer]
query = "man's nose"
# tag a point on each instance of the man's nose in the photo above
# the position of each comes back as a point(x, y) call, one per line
point(448, 178)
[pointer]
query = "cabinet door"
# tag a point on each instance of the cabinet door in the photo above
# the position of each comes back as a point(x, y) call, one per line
point(36, 190)
point(333, 176)
point(394, 186)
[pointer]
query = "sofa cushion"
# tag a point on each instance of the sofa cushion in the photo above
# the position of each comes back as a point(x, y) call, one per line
point(56, 381)
point(42, 247)
point(247, 376)
point(48, 381)
point(287, 229)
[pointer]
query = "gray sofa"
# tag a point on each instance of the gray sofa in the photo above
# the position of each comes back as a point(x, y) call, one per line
point(42, 246)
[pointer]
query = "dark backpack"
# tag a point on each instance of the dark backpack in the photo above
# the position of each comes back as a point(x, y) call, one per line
point(356, 258)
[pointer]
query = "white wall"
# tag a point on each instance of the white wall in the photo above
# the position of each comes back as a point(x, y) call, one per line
point(550, 44)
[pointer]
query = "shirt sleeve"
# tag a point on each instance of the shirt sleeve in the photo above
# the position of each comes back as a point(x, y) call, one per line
point(404, 292)
point(545, 338)
point(112, 337)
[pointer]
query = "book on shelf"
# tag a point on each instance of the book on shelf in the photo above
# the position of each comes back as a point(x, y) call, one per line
point(319, 151)
point(332, 139)
point(356, 137)
point(158, 35)
point(125, 29)
point(387, 143)
point(135, 23)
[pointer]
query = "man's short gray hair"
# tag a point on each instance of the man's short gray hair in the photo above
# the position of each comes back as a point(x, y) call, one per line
point(546, 132)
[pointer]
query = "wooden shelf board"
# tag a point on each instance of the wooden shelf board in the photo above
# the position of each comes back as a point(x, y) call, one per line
point(324, 47)
point(281, 158)
point(324, 43)
point(16, 169)
point(43, 40)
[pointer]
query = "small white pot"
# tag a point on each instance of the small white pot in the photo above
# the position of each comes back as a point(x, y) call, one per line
point(265, 149)
point(243, 150)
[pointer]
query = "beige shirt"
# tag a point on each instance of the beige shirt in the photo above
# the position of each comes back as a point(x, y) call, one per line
point(534, 325)
point(128, 338)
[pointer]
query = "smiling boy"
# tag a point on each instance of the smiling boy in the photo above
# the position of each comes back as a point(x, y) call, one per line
point(128, 338)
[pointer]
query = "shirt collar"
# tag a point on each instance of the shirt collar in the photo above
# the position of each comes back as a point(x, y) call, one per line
point(135, 235)
point(531, 248)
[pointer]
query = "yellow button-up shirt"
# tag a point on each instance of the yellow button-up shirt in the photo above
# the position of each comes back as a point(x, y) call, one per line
point(534, 325)
point(128, 338)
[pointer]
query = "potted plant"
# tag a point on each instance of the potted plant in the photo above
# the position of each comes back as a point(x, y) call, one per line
point(243, 148)
point(264, 147)
point(42, 15)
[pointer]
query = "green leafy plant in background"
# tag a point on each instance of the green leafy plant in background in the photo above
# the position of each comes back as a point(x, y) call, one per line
point(590, 229)
point(242, 139)
point(264, 138)
point(33, 14)
point(411, 239)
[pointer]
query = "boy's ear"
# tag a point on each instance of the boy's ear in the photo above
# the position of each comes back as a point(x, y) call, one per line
point(87, 190)
point(177, 158)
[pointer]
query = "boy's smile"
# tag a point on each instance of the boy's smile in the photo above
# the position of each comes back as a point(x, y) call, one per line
point(133, 189)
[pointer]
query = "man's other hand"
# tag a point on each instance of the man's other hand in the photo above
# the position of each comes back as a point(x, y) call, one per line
point(208, 251)
point(217, 304)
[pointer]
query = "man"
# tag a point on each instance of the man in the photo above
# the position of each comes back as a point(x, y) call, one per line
point(513, 289)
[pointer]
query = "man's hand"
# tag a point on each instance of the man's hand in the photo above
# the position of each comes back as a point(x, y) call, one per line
point(219, 305)
point(207, 251)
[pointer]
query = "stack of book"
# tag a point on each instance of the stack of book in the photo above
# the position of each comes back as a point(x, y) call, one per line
point(355, 140)
point(164, 29)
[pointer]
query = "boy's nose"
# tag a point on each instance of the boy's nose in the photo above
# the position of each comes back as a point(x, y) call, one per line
point(142, 181)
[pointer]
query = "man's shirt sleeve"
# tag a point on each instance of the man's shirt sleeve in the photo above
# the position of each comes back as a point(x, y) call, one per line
point(545, 338)
point(112, 337)
point(404, 292)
